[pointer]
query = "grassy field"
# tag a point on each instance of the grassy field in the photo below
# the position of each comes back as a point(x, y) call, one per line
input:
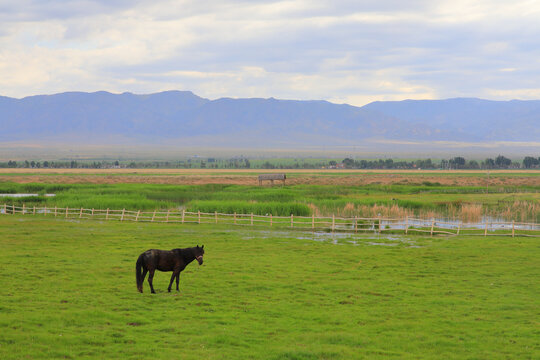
point(68, 292)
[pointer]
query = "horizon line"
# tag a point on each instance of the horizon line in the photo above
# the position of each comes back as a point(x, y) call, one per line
point(260, 98)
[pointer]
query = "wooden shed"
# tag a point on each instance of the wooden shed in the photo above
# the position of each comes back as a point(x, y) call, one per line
point(272, 177)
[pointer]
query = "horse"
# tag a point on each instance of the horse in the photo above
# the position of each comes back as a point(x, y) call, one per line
point(174, 260)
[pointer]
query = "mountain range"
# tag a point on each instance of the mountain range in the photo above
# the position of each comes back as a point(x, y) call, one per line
point(185, 118)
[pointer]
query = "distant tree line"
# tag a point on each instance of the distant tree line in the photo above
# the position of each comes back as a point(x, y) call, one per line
point(236, 163)
point(500, 162)
point(57, 164)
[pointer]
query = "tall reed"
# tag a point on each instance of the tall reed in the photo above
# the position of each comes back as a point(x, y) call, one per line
point(522, 211)
point(372, 211)
point(471, 213)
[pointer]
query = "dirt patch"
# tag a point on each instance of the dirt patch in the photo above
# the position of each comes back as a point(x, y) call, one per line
point(294, 178)
point(46, 171)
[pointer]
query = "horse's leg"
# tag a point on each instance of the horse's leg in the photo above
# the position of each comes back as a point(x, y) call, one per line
point(145, 271)
point(177, 280)
point(172, 278)
point(151, 279)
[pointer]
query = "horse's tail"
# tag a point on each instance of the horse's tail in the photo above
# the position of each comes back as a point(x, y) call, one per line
point(138, 272)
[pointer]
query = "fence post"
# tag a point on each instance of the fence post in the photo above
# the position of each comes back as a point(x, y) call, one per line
point(406, 224)
point(432, 225)
point(380, 223)
point(167, 218)
point(313, 221)
point(67, 211)
point(333, 222)
point(23, 208)
point(215, 214)
point(458, 228)
point(292, 221)
point(13, 209)
point(251, 219)
point(355, 224)
point(512, 228)
point(45, 210)
point(183, 214)
point(235, 217)
point(34, 213)
point(199, 213)
point(137, 217)
point(80, 214)
point(5, 209)
point(485, 232)
point(92, 212)
point(107, 214)
point(270, 220)
point(55, 211)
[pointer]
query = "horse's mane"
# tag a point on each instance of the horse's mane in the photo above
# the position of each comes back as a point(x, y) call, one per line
point(185, 252)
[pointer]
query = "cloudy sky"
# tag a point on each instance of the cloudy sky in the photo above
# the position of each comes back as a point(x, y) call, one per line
point(345, 51)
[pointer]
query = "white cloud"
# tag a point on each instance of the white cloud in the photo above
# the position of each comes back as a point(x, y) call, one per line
point(525, 94)
point(344, 51)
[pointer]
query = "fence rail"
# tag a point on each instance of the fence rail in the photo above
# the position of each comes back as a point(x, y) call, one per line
point(335, 224)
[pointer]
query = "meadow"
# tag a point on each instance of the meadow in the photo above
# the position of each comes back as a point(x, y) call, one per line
point(68, 292)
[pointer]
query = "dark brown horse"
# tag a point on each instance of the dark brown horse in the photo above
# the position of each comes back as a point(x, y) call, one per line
point(174, 260)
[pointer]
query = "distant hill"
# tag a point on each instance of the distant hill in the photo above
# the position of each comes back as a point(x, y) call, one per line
point(181, 116)
point(471, 119)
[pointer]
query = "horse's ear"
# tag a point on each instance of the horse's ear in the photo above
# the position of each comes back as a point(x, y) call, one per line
point(202, 247)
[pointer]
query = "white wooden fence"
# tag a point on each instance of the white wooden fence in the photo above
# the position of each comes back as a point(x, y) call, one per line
point(335, 224)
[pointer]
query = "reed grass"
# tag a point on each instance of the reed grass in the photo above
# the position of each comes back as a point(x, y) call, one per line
point(471, 213)
point(245, 207)
point(314, 209)
point(521, 211)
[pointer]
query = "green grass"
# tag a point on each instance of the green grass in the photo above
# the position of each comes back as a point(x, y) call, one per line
point(245, 207)
point(68, 291)
point(280, 201)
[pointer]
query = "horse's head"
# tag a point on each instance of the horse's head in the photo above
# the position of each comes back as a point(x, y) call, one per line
point(199, 252)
